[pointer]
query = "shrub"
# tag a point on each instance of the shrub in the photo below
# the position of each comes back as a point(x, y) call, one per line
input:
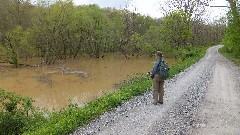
point(16, 113)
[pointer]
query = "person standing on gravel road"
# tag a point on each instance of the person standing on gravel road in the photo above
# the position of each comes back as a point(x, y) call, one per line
point(158, 83)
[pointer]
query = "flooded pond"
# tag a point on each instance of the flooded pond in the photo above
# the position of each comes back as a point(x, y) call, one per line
point(79, 80)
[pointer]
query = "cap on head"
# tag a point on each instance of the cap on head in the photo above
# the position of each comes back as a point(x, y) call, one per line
point(159, 54)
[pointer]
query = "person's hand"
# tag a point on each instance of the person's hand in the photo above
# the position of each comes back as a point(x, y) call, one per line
point(149, 75)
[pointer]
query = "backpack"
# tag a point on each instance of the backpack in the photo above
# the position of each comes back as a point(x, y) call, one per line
point(163, 70)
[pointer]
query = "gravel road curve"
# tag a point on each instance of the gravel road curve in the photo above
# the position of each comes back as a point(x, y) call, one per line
point(195, 101)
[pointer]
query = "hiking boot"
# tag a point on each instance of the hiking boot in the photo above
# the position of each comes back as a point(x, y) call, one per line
point(155, 103)
point(160, 102)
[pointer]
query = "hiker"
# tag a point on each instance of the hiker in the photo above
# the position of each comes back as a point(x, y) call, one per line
point(158, 83)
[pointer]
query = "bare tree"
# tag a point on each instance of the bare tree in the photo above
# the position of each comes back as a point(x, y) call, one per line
point(194, 8)
point(233, 6)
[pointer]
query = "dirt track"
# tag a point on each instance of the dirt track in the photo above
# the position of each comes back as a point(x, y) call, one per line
point(220, 112)
point(203, 99)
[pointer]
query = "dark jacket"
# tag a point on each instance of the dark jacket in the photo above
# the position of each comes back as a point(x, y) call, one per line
point(155, 68)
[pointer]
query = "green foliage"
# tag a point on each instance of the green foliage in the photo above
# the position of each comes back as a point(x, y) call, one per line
point(51, 30)
point(152, 39)
point(13, 13)
point(16, 45)
point(175, 29)
point(230, 56)
point(135, 44)
point(2, 53)
point(17, 113)
point(232, 39)
point(62, 30)
point(188, 56)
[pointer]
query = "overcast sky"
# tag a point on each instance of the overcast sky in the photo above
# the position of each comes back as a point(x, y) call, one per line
point(151, 7)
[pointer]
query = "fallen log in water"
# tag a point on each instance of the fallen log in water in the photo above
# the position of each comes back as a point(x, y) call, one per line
point(80, 73)
point(66, 72)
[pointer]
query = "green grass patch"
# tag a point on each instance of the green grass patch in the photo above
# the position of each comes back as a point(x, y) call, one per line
point(230, 56)
point(68, 119)
point(187, 57)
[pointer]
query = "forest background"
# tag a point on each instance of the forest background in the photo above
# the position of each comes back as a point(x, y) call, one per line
point(65, 31)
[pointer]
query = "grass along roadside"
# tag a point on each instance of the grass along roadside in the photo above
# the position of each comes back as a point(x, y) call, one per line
point(68, 119)
point(230, 56)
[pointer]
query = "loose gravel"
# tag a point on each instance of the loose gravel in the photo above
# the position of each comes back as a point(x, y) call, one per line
point(184, 94)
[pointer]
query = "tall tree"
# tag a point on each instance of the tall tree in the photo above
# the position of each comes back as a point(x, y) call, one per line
point(175, 30)
point(17, 45)
point(232, 40)
point(15, 19)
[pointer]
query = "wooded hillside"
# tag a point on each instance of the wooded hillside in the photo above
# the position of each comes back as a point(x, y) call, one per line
point(63, 30)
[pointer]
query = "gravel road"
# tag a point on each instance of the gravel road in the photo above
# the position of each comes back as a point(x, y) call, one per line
point(203, 99)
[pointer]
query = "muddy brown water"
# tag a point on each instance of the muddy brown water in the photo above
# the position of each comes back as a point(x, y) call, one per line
point(80, 80)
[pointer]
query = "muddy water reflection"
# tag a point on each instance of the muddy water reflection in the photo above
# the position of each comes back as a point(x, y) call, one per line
point(51, 87)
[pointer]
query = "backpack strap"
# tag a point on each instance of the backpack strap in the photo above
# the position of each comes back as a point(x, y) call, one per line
point(158, 69)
